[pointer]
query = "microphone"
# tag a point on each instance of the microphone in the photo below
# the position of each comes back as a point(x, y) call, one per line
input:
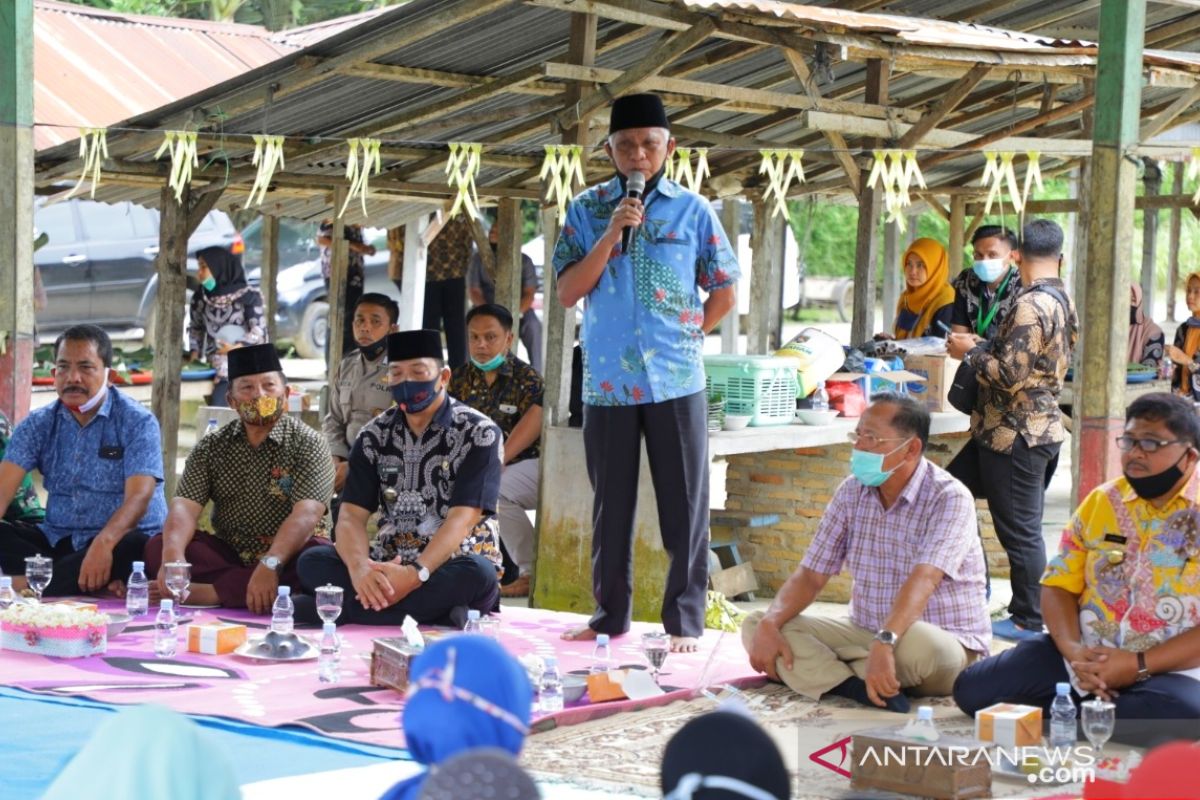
point(635, 185)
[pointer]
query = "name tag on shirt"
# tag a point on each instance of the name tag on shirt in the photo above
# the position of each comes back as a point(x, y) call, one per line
point(506, 408)
point(114, 453)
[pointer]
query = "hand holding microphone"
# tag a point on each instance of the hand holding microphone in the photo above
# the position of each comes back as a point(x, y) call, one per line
point(635, 187)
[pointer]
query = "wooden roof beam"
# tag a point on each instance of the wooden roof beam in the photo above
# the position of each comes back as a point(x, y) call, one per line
point(1026, 125)
point(949, 101)
point(841, 150)
point(1163, 119)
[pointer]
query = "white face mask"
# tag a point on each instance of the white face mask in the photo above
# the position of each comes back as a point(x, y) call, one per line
point(989, 269)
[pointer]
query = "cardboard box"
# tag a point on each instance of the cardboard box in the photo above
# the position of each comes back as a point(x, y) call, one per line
point(1009, 725)
point(78, 605)
point(938, 372)
point(215, 638)
point(952, 768)
point(601, 688)
point(898, 381)
point(391, 662)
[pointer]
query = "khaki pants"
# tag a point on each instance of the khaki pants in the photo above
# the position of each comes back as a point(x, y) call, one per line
point(829, 650)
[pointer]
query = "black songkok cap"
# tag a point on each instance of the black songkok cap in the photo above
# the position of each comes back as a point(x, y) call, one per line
point(637, 111)
point(407, 345)
point(254, 359)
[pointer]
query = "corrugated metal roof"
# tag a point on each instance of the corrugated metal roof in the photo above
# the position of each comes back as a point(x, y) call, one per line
point(521, 36)
point(93, 68)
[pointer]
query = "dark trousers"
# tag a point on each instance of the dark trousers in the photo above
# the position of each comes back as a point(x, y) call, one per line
point(19, 541)
point(1015, 487)
point(677, 447)
point(531, 337)
point(446, 309)
point(1161, 709)
point(214, 561)
point(462, 582)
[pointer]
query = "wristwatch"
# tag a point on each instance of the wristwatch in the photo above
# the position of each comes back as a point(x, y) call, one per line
point(1143, 673)
point(271, 562)
point(887, 637)
point(422, 571)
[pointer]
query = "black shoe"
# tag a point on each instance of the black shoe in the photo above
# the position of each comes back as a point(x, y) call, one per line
point(856, 689)
point(458, 617)
point(306, 611)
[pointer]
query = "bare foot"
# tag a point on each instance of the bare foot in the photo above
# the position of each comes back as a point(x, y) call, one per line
point(684, 644)
point(202, 594)
point(581, 634)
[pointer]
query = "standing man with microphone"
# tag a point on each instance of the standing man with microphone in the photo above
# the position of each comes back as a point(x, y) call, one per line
point(640, 252)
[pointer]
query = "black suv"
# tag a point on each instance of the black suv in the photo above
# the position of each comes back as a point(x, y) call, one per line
point(98, 266)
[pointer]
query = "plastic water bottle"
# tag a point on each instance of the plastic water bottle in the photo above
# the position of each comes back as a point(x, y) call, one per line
point(7, 595)
point(601, 655)
point(283, 611)
point(1062, 718)
point(820, 398)
point(472, 625)
point(166, 638)
point(137, 591)
point(329, 660)
point(551, 694)
point(922, 728)
point(211, 427)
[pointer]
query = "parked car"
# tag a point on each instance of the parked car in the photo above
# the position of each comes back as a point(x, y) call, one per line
point(297, 243)
point(98, 266)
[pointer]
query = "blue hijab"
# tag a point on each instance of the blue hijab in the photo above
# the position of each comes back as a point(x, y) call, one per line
point(466, 692)
point(148, 753)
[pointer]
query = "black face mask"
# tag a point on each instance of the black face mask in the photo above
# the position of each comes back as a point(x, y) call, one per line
point(1152, 487)
point(373, 350)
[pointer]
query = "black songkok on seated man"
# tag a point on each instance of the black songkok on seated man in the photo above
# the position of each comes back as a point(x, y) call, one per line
point(637, 111)
point(254, 359)
point(422, 343)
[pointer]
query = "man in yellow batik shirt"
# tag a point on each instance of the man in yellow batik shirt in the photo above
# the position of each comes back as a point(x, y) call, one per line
point(1122, 598)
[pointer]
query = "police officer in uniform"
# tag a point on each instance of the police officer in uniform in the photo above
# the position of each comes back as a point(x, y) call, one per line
point(431, 465)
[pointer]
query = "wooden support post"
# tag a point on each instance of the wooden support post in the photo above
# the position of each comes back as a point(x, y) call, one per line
point(269, 276)
point(177, 220)
point(957, 243)
point(560, 322)
point(1152, 180)
point(731, 221)
point(764, 243)
point(508, 262)
point(16, 208)
point(1177, 170)
point(412, 282)
point(339, 270)
point(891, 273)
point(1113, 187)
point(868, 222)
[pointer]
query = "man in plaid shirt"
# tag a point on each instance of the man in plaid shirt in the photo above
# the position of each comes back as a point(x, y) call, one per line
point(907, 532)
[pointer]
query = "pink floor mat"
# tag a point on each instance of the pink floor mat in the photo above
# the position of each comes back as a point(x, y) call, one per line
point(274, 694)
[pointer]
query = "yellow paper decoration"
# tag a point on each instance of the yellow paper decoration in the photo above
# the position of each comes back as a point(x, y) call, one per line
point(93, 149)
point(462, 167)
point(682, 171)
point(781, 167)
point(1193, 172)
point(562, 167)
point(999, 173)
point(359, 177)
point(1033, 175)
point(896, 171)
point(268, 157)
point(182, 147)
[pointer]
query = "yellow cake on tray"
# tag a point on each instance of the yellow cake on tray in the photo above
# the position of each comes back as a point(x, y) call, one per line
point(53, 630)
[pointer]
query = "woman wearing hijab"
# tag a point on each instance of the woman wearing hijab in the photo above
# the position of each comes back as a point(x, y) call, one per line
point(466, 692)
point(723, 756)
point(148, 753)
point(1146, 339)
point(1186, 380)
point(223, 304)
point(928, 297)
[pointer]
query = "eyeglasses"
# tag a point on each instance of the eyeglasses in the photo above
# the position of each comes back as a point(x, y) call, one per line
point(1127, 443)
point(871, 440)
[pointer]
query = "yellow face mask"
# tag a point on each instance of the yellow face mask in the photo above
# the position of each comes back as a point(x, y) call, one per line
point(262, 411)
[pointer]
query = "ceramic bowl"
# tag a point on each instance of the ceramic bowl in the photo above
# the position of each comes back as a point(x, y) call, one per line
point(117, 622)
point(573, 687)
point(810, 417)
point(736, 422)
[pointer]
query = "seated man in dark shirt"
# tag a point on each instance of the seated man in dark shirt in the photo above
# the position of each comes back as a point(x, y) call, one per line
point(509, 391)
point(431, 466)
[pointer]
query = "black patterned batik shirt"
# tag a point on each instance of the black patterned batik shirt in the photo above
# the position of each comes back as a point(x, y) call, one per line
point(517, 388)
point(414, 480)
point(253, 489)
point(243, 308)
point(974, 302)
point(450, 251)
point(1021, 378)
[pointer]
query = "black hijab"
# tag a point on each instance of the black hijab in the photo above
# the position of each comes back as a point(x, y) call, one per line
point(724, 744)
point(226, 269)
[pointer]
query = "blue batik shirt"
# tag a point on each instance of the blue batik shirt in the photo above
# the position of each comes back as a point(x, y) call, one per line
point(642, 334)
point(84, 467)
